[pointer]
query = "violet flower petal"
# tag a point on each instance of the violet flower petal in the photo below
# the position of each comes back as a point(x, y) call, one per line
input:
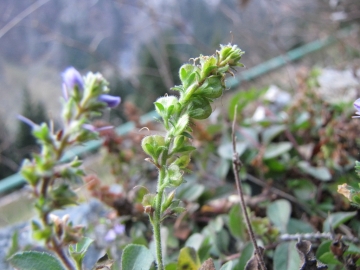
point(26, 121)
point(111, 101)
point(119, 228)
point(89, 127)
point(110, 236)
point(72, 78)
point(357, 105)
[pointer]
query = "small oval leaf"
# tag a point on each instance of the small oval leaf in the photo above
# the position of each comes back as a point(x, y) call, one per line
point(279, 213)
point(276, 149)
point(136, 257)
point(34, 260)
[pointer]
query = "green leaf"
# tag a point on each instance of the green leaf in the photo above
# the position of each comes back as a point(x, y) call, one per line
point(226, 150)
point(187, 74)
point(323, 248)
point(190, 191)
point(222, 240)
point(245, 256)
point(78, 250)
point(14, 245)
point(195, 241)
point(335, 220)
point(329, 258)
point(42, 133)
point(34, 260)
point(286, 257)
point(136, 257)
point(187, 148)
point(236, 224)
point(227, 266)
point(302, 121)
point(352, 249)
point(171, 266)
point(276, 149)
point(242, 99)
point(204, 250)
point(320, 173)
point(159, 108)
point(270, 133)
point(303, 189)
point(212, 88)
point(207, 65)
point(199, 108)
point(279, 213)
point(188, 259)
point(298, 226)
point(181, 124)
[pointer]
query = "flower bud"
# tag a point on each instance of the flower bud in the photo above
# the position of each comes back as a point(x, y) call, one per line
point(208, 64)
point(188, 74)
point(230, 54)
point(153, 145)
point(73, 79)
point(111, 101)
point(166, 106)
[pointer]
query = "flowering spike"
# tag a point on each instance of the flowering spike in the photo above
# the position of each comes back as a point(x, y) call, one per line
point(72, 78)
point(111, 101)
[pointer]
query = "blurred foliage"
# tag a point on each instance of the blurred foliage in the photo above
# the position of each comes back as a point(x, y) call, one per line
point(294, 155)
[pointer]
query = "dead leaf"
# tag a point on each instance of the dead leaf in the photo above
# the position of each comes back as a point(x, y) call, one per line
point(208, 265)
point(253, 263)
point(307, 257)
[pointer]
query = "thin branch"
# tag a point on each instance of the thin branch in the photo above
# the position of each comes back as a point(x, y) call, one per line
point(313, 236)
point(22, 15)
point(236, 168)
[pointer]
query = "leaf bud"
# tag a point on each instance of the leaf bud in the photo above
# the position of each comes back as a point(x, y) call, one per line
point(174, 175)
point(153, 145)
point(165, 205)
point(182, 161)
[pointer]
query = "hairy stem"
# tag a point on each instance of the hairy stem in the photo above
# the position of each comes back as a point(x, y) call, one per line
point(58, 249)
point(156, 221)
point(236, 169)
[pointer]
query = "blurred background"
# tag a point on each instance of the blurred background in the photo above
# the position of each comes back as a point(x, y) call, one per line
point(139, 46)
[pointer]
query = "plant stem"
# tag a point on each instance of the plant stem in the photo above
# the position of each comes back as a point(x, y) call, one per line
point(236, 169)
point(57, 248)
point(157, 217)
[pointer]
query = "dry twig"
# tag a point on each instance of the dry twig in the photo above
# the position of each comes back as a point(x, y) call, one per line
point(236, 168)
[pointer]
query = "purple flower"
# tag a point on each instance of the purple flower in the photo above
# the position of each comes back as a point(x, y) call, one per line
point(111, 101)
point(110, 236)
point(118, 229)
point(357, 107)
point(72, 78)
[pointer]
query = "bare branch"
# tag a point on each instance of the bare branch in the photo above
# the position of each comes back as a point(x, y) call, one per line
point(236, 168)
